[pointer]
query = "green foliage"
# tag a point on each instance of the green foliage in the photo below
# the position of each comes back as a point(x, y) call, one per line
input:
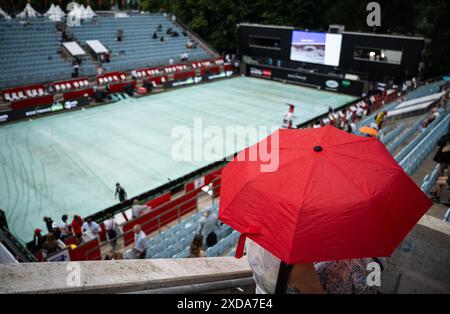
point(216, 21)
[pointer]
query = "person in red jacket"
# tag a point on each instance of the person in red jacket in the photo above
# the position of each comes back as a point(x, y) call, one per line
point(77, 224)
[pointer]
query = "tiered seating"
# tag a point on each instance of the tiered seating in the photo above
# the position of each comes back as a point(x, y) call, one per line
point(430, 180)
point(224, 245)
point(389, 137)
point(137, 49)
point(403, 137)
point(415, 153)
point(29, 53)
point(176, 240)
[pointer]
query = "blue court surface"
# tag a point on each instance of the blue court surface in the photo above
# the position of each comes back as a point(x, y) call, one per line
point(69, 163)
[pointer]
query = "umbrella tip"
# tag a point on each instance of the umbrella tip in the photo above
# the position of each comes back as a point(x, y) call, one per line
point(318, 149)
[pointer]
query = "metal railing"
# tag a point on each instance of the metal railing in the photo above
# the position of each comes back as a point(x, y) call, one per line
point(422, 146)
point(159, 219)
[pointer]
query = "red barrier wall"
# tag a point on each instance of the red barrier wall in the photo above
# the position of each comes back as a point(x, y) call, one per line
point(118, 88)
point(88, 251)
point(78, 94)
point(32, 102)
point(183, 75)
point(159, 200)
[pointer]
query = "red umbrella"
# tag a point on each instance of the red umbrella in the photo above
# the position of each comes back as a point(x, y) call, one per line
point(333, 196)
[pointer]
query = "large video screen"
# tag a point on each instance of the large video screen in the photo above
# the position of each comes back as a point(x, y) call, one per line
point(319, 48)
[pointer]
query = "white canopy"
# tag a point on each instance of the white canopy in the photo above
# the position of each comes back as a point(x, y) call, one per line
point(83, 12)
point(74, 49)
point(51, 10)
point(4, 15)
point(55, 13)
point(59, 10)
point(89, 12)
point(96, 46)
point(28, 12)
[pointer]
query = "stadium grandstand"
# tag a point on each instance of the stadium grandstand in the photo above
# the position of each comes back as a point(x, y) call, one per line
point(121, 133)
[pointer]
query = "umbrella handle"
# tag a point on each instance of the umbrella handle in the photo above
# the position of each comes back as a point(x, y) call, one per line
point(283, 277)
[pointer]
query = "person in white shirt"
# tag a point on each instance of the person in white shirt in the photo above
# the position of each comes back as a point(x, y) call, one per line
point(91, 229)
point(171, 61)
point(137, 210)
point(64, 227)
point(140, 242)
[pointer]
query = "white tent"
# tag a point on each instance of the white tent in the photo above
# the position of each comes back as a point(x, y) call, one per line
point(83, 12)
point(28, 12)
point(55, 13)
point(4, 15)
point(59, 10)
point(51, 10)
point(89, 12)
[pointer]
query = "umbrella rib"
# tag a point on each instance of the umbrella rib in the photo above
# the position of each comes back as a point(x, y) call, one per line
point(303, 200)
point(352, 142)
point(361, 159)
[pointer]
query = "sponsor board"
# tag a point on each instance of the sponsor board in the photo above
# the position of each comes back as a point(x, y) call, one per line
point(319, 80)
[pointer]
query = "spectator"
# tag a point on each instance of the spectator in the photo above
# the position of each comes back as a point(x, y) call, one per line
point(162, 38)
point(99, 71)
point(196, 249)
point(169, 31)
point(171, 61)
point(111, 230)
point(184, 57)
point(76, 68)
point(140, 242)
point(120, 191)
point(379, 119)
point(189, 44)
point(113, 256)
point(77, 225)
point(52, 245)
point(52, 226)
point(159, 28)
point(339, 277)
point(38, 240)
point(134, 74)
point(137, 210)
point(65, 228)
point(155, 35)
point(91, 229)
point(442, 156)
point(207, 225)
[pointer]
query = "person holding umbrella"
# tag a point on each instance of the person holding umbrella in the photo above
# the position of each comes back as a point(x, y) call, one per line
point(336, 203)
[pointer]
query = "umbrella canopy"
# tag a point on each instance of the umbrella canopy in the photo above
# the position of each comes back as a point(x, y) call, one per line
point(333, 196)
point(369, 131)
